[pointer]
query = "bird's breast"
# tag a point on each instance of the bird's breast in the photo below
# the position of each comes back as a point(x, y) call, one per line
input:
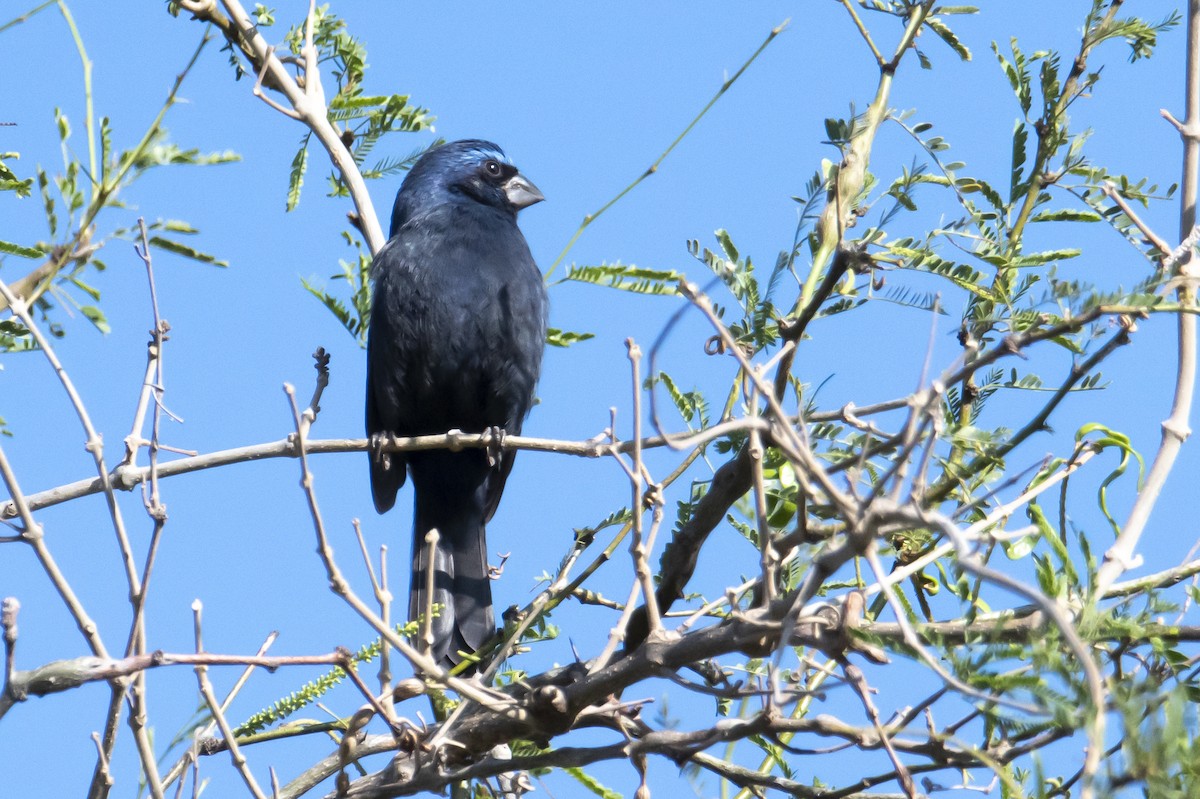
point(464, 316)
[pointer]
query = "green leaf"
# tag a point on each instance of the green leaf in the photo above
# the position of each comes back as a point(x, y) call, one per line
point(386, 167)
point(8, 248)
point(1017, 72)
point(563, 338)
point(170, 153)
point(1051, 86)
point(837, 131)
point(1020, 138)
point(63, 124)
point(613, 519)
point(8, 179)
point(747, 532)
point(1066, 215)
point(355, 310)
point(687, 403)
point(47, 201)
point(972, 185)
point(362, 100)
point(1141, 36)
point(23, 188)
point(91, 291)
point(1112, 439)
point(312, 690)
point(774, 752)
point(1019, 548)
point(627, 278)
point(179, 248)
point(335, 306)
point(946, 35)
point(591, 783)
point(902, 197)
point(105, 149)
point(96, 317)
point(961, 275)
point(1042, 258)
point(296, 179)
point(727, 245)
point(175, 226)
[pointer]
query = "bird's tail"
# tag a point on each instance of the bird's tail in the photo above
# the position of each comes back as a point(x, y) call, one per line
point(458, 564)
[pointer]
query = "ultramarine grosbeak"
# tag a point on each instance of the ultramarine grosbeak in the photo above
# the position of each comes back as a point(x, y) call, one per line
point(458, 324)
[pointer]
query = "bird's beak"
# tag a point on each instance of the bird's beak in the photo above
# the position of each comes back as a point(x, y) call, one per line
point(521, 193)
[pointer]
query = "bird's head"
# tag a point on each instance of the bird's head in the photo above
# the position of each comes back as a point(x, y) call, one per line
point(470, 170)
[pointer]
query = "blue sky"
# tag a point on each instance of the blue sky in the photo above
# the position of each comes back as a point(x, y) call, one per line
point(583, 99)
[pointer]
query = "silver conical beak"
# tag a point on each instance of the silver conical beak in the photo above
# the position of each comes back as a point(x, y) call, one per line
point(521, 193)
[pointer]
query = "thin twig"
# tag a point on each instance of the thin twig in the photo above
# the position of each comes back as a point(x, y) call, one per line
point(653, 168)
point(34, 535)
point(431, 543)
point(206, 690)
point(855, 678)
point(767, 556)
point(866, 34)
point(176, 771)
point(1110, 191)
point(638, 547)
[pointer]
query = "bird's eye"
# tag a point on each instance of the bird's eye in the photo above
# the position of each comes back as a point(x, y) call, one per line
point(492, 167)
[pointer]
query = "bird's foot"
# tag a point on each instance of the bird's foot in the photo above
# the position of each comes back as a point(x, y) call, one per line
point(495, 445)
point(497, 571)
point(375, 445)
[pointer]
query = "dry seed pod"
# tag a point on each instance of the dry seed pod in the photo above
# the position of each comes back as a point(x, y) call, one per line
point(360, 718)
point(407, 689)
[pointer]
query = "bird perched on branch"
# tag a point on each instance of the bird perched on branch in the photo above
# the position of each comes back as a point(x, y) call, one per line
point(458, 324)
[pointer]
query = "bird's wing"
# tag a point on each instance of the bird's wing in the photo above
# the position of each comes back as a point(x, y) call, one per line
point(523, 322)
point(497, 479)
point(387, 471)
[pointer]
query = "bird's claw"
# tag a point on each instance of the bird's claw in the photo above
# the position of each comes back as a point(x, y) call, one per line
point(497, 571)
point(495, 445)
point(375, 445)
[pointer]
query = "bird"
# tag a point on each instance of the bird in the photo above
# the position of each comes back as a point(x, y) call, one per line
point(454, 342)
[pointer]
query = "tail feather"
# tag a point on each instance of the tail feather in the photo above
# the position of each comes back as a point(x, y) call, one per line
point(458, 562)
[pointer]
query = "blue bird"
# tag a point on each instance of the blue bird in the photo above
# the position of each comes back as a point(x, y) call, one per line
point(458, 325)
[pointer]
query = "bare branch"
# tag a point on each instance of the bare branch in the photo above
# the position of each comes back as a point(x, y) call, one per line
point(1121, 556)
point(206, 690)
